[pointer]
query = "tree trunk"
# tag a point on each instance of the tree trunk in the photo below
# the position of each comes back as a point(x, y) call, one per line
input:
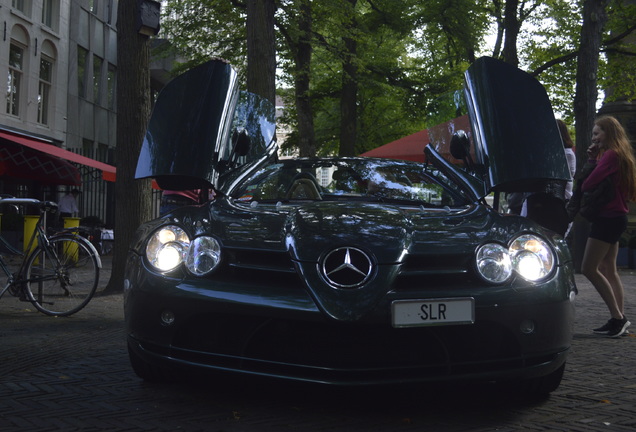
point(586, 94)
point(261, 49)
point(133, 197)
point(304, 110)
point(349, 93)
point(511, 32)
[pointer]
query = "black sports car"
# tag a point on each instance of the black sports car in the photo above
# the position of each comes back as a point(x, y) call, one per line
point(350, 270)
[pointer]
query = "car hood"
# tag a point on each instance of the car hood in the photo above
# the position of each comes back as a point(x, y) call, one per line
point(202, 127)
point(516, 140)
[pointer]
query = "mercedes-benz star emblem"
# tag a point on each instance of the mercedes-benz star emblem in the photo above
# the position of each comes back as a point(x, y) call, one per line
point(346, 267)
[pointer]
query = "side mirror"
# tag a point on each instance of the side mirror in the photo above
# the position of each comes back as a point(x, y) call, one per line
point(460, 145)
point(241, 142)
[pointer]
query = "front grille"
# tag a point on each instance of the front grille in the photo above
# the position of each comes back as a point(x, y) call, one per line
point(265, 268)
point(259, 260)
point(311, 350)
point(445, 270)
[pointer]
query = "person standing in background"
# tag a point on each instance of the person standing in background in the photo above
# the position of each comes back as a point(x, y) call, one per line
point(570, 156)
point(613, 156)
point(68, 204)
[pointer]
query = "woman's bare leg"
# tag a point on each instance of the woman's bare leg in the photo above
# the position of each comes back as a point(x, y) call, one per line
point(596, 257)
point(609, 270)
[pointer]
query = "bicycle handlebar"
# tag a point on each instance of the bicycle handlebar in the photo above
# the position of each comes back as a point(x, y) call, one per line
point(44, 205)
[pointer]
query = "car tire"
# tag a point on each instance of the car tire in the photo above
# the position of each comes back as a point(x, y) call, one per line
point(146, 371)
point(539, 387)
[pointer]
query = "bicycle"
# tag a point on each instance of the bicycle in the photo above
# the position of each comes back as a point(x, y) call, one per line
point(59, 273)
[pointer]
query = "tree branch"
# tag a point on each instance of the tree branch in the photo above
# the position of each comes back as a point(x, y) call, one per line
point(567, 57)
point(555, 61)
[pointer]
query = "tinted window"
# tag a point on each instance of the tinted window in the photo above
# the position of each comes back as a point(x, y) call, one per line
point(367, 180)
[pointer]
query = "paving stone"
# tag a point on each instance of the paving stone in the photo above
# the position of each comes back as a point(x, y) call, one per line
point(73, 374)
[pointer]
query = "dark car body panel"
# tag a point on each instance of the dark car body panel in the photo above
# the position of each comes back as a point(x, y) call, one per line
point(192, 135)
point(514, 129)
point(271, 309)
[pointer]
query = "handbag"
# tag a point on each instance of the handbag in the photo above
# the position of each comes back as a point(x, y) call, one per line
point(593, 201)
point(590, 203)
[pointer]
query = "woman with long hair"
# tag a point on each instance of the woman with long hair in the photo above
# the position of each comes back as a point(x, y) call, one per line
point(614, 158)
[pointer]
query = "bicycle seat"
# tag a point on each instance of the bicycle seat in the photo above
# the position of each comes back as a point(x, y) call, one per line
point(48, 206)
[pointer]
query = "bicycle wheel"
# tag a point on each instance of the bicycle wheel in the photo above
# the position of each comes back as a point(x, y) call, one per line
point(62, 279)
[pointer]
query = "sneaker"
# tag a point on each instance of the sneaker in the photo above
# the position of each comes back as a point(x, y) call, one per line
point(618, 327)
point(604, 328)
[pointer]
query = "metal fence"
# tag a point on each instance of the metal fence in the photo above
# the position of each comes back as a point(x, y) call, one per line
point(98, 197)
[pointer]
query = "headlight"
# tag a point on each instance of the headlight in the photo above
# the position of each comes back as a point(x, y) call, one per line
point(532, 258)
point(528, 255)
point(167, 247)
point(493, 262)
point(203, 256)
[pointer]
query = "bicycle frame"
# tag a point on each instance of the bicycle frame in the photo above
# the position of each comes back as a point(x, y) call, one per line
point(38, 233)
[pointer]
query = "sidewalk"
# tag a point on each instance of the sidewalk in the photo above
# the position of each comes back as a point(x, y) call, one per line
point(74, 374)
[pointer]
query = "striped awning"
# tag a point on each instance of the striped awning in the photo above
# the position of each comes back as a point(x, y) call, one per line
point(22, 163)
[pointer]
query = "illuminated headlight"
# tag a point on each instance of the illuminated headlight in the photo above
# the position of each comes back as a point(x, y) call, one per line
point(532, 258)
point(528, 255)
point(493, 262)
point(167, 247)
point(203, 256)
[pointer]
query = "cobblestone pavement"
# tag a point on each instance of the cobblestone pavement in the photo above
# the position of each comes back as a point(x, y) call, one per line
point(73, 374)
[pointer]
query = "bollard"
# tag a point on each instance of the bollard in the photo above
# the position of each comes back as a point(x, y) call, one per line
point(71, 250)
point(29, 226)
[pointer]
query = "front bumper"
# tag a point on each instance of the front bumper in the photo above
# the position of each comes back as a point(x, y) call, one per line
point(283, 334)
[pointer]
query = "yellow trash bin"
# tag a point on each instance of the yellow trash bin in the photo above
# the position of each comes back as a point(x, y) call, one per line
point(71, 222)
point(29, 226)
point(71, 250)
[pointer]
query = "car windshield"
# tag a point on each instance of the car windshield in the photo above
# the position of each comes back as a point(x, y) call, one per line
point(350, 179)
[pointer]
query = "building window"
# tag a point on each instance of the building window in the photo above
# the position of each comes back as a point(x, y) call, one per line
point(14, 80)
point(325, 174)
point(92, 6)
point(44, 90)
point(50, 13)
point(82, 60)
point(102, 152)
point(109, 11)
point(97, 79)
point(87, 148)
point(112, 86)
point(23, 6)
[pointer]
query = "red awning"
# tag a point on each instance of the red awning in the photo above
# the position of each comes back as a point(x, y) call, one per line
point(408, 148)
point(20, 162)
point(411, 147)
point(108, 171)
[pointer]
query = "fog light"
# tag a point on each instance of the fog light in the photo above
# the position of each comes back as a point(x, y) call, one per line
point(167, 317)
point(527, 327)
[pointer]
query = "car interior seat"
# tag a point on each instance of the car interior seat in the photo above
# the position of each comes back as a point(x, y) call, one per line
point(304, 186)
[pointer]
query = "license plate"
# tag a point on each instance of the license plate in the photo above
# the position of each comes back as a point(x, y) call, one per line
point(416, 313)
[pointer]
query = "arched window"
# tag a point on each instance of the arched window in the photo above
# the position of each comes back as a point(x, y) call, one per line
point(17, 60)
point(47, 63)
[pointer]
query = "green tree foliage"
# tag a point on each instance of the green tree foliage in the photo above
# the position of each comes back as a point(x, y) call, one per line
point(619, 53)
point(405, 58)
point(202, 29)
